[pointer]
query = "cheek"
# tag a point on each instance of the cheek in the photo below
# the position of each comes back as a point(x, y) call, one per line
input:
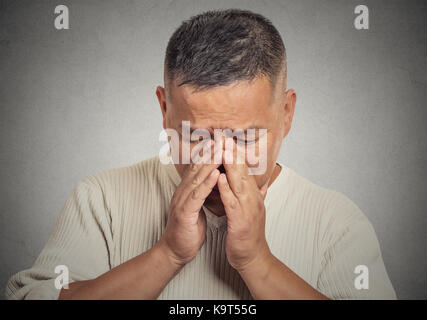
point(274, 144)
point(269, 152)
point(262, 158)
point(274, 147)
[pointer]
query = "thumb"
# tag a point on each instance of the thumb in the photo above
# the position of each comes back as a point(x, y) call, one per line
point(264, 188)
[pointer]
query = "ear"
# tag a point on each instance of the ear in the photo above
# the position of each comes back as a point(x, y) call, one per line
point(161, 96)
point(290, 101)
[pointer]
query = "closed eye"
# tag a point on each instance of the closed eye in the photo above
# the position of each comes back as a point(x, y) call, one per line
point(247, 141)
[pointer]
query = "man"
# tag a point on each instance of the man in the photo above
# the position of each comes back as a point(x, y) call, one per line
point(212, 230)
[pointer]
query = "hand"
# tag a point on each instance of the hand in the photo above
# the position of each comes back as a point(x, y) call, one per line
point(243, 201)
point(186, 226)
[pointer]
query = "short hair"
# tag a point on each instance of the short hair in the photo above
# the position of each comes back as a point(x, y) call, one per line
point(219, 47)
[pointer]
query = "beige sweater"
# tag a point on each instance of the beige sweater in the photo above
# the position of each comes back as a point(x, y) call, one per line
point(115, 215)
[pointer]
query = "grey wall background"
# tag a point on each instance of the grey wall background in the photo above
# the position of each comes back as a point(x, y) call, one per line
point(82, 100)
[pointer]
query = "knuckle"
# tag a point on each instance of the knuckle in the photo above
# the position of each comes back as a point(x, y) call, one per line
point(233, 204)
point(172, 218)
point(195, 194)
point(195, 181)
point(193, 167)
point(238, 190)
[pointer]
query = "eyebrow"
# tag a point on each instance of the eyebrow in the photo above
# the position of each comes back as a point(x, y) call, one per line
point(212, 129)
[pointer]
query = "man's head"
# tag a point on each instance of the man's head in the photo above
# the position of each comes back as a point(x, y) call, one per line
point(227, 70)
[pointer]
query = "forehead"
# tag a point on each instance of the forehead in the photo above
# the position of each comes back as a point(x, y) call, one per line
point(240, 104)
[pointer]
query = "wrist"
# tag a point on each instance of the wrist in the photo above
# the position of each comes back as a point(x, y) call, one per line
point(259, 267)
point(164, 251)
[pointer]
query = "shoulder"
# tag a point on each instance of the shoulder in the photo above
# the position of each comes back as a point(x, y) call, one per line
point(125, 185)
point(143, 172)
point(333, 212)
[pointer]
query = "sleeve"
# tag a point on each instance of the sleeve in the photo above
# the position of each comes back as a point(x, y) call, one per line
point(352, 266)
point(81, 240)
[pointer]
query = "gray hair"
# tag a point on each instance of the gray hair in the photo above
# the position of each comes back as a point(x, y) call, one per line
point(220, 47)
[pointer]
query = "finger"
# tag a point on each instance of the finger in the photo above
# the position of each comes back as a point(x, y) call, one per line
point(202, 152)
point(238, 172)
point(195, 175)
point(264, 188)
point(195, 163)
point(229, 200)
point(197, 197)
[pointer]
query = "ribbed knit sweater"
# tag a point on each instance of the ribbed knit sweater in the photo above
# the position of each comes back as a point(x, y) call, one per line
point(115, 215)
